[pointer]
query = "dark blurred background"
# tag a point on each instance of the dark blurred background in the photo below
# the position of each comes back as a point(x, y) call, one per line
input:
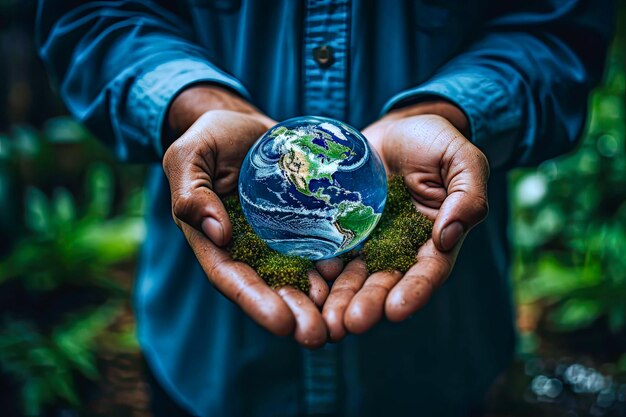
point(71, 224)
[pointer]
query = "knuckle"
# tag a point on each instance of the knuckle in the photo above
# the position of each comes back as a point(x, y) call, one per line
point(377, 288)
point(476, 206)
point(427, 281)
point(443, 264)
point(482, 159)
point(483, 163)
point(214, 270)
point(215, 117)
point(182, 206)
point(343, 292)
point(481, 207)
point(176, 148)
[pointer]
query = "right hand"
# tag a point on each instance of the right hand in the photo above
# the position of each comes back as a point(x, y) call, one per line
point(203, 165)
point(447, 177)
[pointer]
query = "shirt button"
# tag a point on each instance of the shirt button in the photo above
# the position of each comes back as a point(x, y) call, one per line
point(324, 56)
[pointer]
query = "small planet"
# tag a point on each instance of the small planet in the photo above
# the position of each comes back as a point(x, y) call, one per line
point(312, 187)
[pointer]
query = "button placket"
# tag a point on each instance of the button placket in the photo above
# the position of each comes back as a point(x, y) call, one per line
point(325, 71)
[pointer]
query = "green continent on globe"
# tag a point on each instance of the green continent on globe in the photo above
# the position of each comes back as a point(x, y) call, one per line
point(304, 161)
point(354, 221)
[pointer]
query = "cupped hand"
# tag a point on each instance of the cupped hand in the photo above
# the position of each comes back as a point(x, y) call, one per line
point(202, 166)
point(447, 177)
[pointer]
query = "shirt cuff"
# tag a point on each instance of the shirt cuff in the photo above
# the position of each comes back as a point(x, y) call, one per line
point(493, 117)
point(154, 89)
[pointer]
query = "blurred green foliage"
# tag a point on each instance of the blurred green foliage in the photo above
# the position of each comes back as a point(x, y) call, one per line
point(569, 218)
point(65, 278)
point(71, 223)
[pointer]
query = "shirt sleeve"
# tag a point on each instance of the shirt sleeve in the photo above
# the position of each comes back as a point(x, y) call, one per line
point(523, 84)
point(118, 65)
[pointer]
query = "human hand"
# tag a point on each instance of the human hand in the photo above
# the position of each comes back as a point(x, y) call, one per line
point(203, 165)
point(447, 177)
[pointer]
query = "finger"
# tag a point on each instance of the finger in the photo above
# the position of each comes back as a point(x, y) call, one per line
point(366, 308)
point(329, 269)
point(193, 200)
point(319, 289)
point(418, 284)
point(344, 288)
point(428, 193)
point(241, 284)
point(466, 174)
point(216, 223)
point(310, 329)
point(202, 209)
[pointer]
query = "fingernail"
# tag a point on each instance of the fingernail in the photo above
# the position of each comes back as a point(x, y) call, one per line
point(214, 230)
point(451, 235)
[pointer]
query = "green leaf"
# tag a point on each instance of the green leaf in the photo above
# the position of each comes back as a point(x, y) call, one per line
point(576, 314)
point(34, 396)
point(617, 317)
point(26, 140)
point(64, 130)
point(100, 190)
point(37, 211)
point(553, 280)
point(63, 386)
point(112, 241)
point(63, 206)
point(5, 147)
point(76, 338)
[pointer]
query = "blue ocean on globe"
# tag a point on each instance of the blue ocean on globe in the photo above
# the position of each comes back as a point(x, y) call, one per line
point(312, 187)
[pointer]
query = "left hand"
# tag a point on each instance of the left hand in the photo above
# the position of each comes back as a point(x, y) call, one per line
point(447, 177)
point(216, 128)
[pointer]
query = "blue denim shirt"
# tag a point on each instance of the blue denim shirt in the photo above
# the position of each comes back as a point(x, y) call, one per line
point(520, 71)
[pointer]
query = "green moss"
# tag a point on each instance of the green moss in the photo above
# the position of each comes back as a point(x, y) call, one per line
point(279, 270)
point(393, 244)
point(275, 268)
point(400, 233)
point(398, 200)
point(249, 248)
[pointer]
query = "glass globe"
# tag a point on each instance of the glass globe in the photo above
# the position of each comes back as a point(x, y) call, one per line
point(312, 187)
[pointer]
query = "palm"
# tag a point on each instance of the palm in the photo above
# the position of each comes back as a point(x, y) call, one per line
point(231, 149)
point(202, 166)
point(447, 177)
point(422, 174)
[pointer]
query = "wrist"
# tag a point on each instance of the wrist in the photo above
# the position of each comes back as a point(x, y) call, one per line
point(439, 107)
point(195, 101)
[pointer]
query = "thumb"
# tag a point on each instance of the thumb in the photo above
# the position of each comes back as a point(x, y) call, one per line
point(466, 203)
point(189, 171)
point(202, 209)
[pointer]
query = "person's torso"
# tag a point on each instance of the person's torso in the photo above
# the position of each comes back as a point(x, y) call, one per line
point(215, 360)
